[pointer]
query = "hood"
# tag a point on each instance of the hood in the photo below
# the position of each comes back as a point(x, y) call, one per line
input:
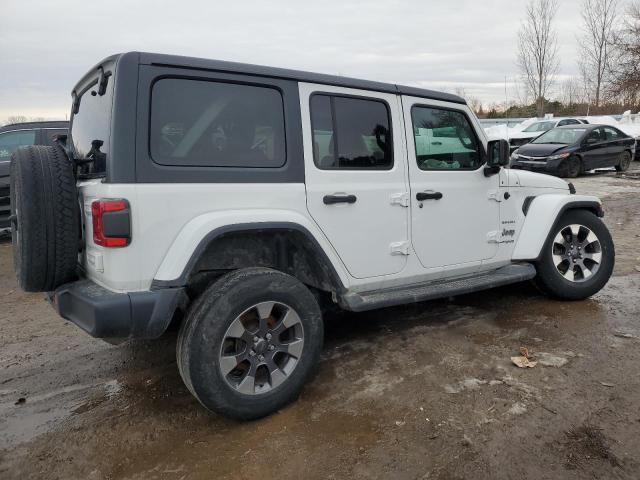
point(528, 135)
point(524, 178)
point(540, 149)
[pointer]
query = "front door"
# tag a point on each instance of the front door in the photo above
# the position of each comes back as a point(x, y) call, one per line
point(596, 149)
point(455, 208)
point(355, 175)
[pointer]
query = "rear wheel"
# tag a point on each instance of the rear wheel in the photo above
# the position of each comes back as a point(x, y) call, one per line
point(570, 168)
point(250, 342)
point(578, 258)
point(624, 162)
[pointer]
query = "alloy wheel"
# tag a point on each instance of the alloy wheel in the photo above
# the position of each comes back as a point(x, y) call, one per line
point(576, 253)
point(261, 348)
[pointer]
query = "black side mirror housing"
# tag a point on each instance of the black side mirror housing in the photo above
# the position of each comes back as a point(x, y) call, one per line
point(498, 154)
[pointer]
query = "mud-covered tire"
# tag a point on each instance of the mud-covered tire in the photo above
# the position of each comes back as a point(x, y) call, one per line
point(550, 279)
point(45, 218)
point(202, 337)
point(624, 162)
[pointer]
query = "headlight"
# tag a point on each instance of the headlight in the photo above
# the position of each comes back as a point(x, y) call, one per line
point(515, 155)
point(559, 156)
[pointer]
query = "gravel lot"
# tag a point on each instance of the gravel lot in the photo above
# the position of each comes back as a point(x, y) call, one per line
point(424, 391)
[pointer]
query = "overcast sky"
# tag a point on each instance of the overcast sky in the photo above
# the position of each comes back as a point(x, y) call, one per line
point(46, 46)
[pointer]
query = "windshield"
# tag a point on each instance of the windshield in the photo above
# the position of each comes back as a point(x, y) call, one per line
point(565, 136)
point(540, 127)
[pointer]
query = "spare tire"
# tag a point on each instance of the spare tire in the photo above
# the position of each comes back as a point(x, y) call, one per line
point(45, 218)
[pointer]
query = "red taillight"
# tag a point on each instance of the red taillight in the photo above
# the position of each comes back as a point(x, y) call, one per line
point(100, 209)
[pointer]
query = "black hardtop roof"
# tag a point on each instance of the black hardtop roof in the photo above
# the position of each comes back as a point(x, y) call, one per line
point(284, 73)
point(41, 124)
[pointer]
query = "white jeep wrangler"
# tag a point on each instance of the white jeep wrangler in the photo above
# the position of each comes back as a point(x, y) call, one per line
point(240, 200)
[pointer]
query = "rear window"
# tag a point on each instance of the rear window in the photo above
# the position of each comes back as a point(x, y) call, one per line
point(207, 123)
point(90, 127)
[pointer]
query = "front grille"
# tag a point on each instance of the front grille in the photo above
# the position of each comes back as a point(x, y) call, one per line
point(5, 207)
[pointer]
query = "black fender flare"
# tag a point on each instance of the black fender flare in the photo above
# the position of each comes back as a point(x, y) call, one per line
point(321, 255)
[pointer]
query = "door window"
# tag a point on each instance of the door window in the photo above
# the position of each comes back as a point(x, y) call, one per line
point(50, 133)
point(568, 121)
point(596, 136)
point(444, 140)
point(611, 134)
point(11, 141)
point(202, 123)
point(350, 133)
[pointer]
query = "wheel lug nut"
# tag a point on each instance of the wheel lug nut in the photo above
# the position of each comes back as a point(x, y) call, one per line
point(255, 339)
point(271, 347)
point(268, 336)
point(252, 353)
point(261, 358)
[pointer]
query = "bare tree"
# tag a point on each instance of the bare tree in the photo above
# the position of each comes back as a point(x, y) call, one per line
point(570, 91)
point(474, 103)
point(17, 119)
point(625, 66)
point(598, 18)
point(538, 50)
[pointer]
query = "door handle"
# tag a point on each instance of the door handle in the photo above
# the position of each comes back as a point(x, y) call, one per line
point(420, 196)
point(333, 199)
point(436, 143)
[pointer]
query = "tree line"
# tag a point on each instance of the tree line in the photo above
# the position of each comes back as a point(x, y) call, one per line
point(608, 62)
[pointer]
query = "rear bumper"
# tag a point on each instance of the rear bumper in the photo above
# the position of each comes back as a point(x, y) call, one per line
point(106, 314)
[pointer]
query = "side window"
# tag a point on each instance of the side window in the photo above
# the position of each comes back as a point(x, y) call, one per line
point(611, 134)
point(49, 134)
point(596, 136)
point(11, 141)
point(568, 121)
point(205, 123)
point(445, 140)
point(350, 133)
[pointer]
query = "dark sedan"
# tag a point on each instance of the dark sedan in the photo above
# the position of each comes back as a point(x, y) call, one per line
point(13, 137)
point(571, 150)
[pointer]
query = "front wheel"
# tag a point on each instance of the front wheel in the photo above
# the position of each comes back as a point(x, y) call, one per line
point(570, 168)
point(250, 342)
point(578, 257)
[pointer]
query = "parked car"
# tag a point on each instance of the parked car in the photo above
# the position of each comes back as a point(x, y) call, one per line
point(537, 128)
point(13, 137)
point(569, 151)
point(240, 201)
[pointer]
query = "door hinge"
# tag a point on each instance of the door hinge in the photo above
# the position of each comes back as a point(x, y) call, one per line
point(494, 195)
point(399, 199)
point(399, 248)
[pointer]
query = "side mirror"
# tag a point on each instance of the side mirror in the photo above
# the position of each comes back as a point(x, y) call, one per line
point(497, 156)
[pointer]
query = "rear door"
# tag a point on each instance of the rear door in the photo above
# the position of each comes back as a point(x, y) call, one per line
point(615, 147)
point(455, 208)
point(355, 175)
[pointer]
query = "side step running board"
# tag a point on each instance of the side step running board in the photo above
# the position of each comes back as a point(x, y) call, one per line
point(359, 302)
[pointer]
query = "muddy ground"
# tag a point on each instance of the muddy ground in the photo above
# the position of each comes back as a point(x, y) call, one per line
point(425, 391)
